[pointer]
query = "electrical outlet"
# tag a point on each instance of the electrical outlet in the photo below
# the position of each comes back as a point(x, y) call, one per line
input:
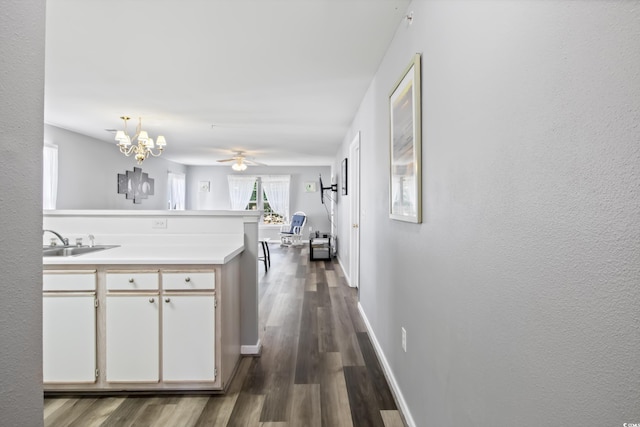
point(159, 223)
point(404, 339)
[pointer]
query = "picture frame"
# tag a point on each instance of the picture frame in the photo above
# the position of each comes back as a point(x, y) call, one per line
point(310, 187)
point(405, 145)
point(344, 177)
point(135, 185)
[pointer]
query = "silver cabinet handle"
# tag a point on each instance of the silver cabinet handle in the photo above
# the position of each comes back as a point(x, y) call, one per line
point(188, 279)
point(131, 280)
point(152, 300)
point(167, 300)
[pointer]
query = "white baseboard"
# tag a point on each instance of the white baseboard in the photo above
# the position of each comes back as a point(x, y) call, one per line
point(388, 373)
point(251, 350)
point(344, 270)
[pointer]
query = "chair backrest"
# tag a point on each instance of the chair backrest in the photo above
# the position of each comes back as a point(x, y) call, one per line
point(297, 222)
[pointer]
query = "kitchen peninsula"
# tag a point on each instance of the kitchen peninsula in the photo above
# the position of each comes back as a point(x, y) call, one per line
point(169, 304)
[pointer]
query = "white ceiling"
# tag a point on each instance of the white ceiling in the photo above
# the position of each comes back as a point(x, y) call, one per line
point(280, 79)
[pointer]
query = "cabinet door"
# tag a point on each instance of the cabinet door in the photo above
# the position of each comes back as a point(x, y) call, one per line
point(133, 337)
point(188, 337)
point(69, 338)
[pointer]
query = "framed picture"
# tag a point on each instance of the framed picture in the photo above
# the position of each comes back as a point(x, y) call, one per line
point(405, 174)
point(135, 185)
point(344, 177)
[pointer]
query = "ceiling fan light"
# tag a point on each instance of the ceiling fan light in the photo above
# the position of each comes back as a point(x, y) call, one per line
point(239, 166)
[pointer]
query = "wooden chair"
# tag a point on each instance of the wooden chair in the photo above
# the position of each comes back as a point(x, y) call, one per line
point(291, 234)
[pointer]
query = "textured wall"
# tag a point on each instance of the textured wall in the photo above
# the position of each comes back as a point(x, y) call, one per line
point(21, 116)
point(520, 290)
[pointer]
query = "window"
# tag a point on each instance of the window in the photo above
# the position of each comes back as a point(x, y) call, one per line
point(268, 193)
point(176, 191)
point(276, 195)
point(240, 190)
point(49, 176)
point(270, 216)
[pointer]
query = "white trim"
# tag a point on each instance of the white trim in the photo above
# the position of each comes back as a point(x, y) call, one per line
point(354, 210)
point(388, 373)
point(251, 216)
point(251, 350)
point(344, 271)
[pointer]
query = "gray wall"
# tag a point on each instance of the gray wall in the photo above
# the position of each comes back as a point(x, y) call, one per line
point(21, 117)
point(88, 170)
point(520, 290)
point(218, 197)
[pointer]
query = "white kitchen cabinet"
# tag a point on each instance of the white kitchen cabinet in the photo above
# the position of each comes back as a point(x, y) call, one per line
point(69, 337)
point(159, 327)
point(188, 337)
point(132, 338)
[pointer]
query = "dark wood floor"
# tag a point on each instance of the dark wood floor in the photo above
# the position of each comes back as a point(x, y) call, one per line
point(318, 366)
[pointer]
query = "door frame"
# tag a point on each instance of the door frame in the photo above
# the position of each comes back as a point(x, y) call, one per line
point(354, 212)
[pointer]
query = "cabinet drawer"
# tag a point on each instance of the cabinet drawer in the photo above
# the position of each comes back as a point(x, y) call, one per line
point(188, 280)
point(69, 281)
point(133, 281)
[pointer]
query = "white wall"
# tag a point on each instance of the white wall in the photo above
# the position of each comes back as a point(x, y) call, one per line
point(88, 169)
point(21, 117)
point(300, 200)
point(520, 289)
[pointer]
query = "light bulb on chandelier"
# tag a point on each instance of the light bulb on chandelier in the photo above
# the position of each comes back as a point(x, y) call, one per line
point(143, 146)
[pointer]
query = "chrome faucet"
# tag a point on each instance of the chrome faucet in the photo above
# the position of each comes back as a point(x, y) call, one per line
point(64, 240)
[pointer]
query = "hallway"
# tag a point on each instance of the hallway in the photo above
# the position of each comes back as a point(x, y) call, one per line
point(317, 368)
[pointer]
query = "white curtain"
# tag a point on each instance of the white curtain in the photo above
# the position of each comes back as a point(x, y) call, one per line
point(276, 188)
point(240, 189)
point(176, 190)
point(49, 176)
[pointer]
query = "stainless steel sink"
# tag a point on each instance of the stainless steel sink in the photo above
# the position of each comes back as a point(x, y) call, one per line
point(74, 250)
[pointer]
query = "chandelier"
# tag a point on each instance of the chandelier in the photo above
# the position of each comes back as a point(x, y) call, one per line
point(143, 146)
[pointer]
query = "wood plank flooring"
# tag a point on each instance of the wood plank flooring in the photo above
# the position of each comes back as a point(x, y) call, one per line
point(318, 366)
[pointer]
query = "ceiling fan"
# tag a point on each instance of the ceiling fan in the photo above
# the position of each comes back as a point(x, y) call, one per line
point(241, 161)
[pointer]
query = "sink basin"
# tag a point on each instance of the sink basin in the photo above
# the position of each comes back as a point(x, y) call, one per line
point(74, 250)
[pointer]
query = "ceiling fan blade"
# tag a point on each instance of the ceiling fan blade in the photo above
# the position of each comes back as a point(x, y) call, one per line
point(253, 162)
point(227, 160)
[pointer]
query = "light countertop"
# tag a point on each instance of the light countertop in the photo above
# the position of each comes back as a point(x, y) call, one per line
point(216, 253)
